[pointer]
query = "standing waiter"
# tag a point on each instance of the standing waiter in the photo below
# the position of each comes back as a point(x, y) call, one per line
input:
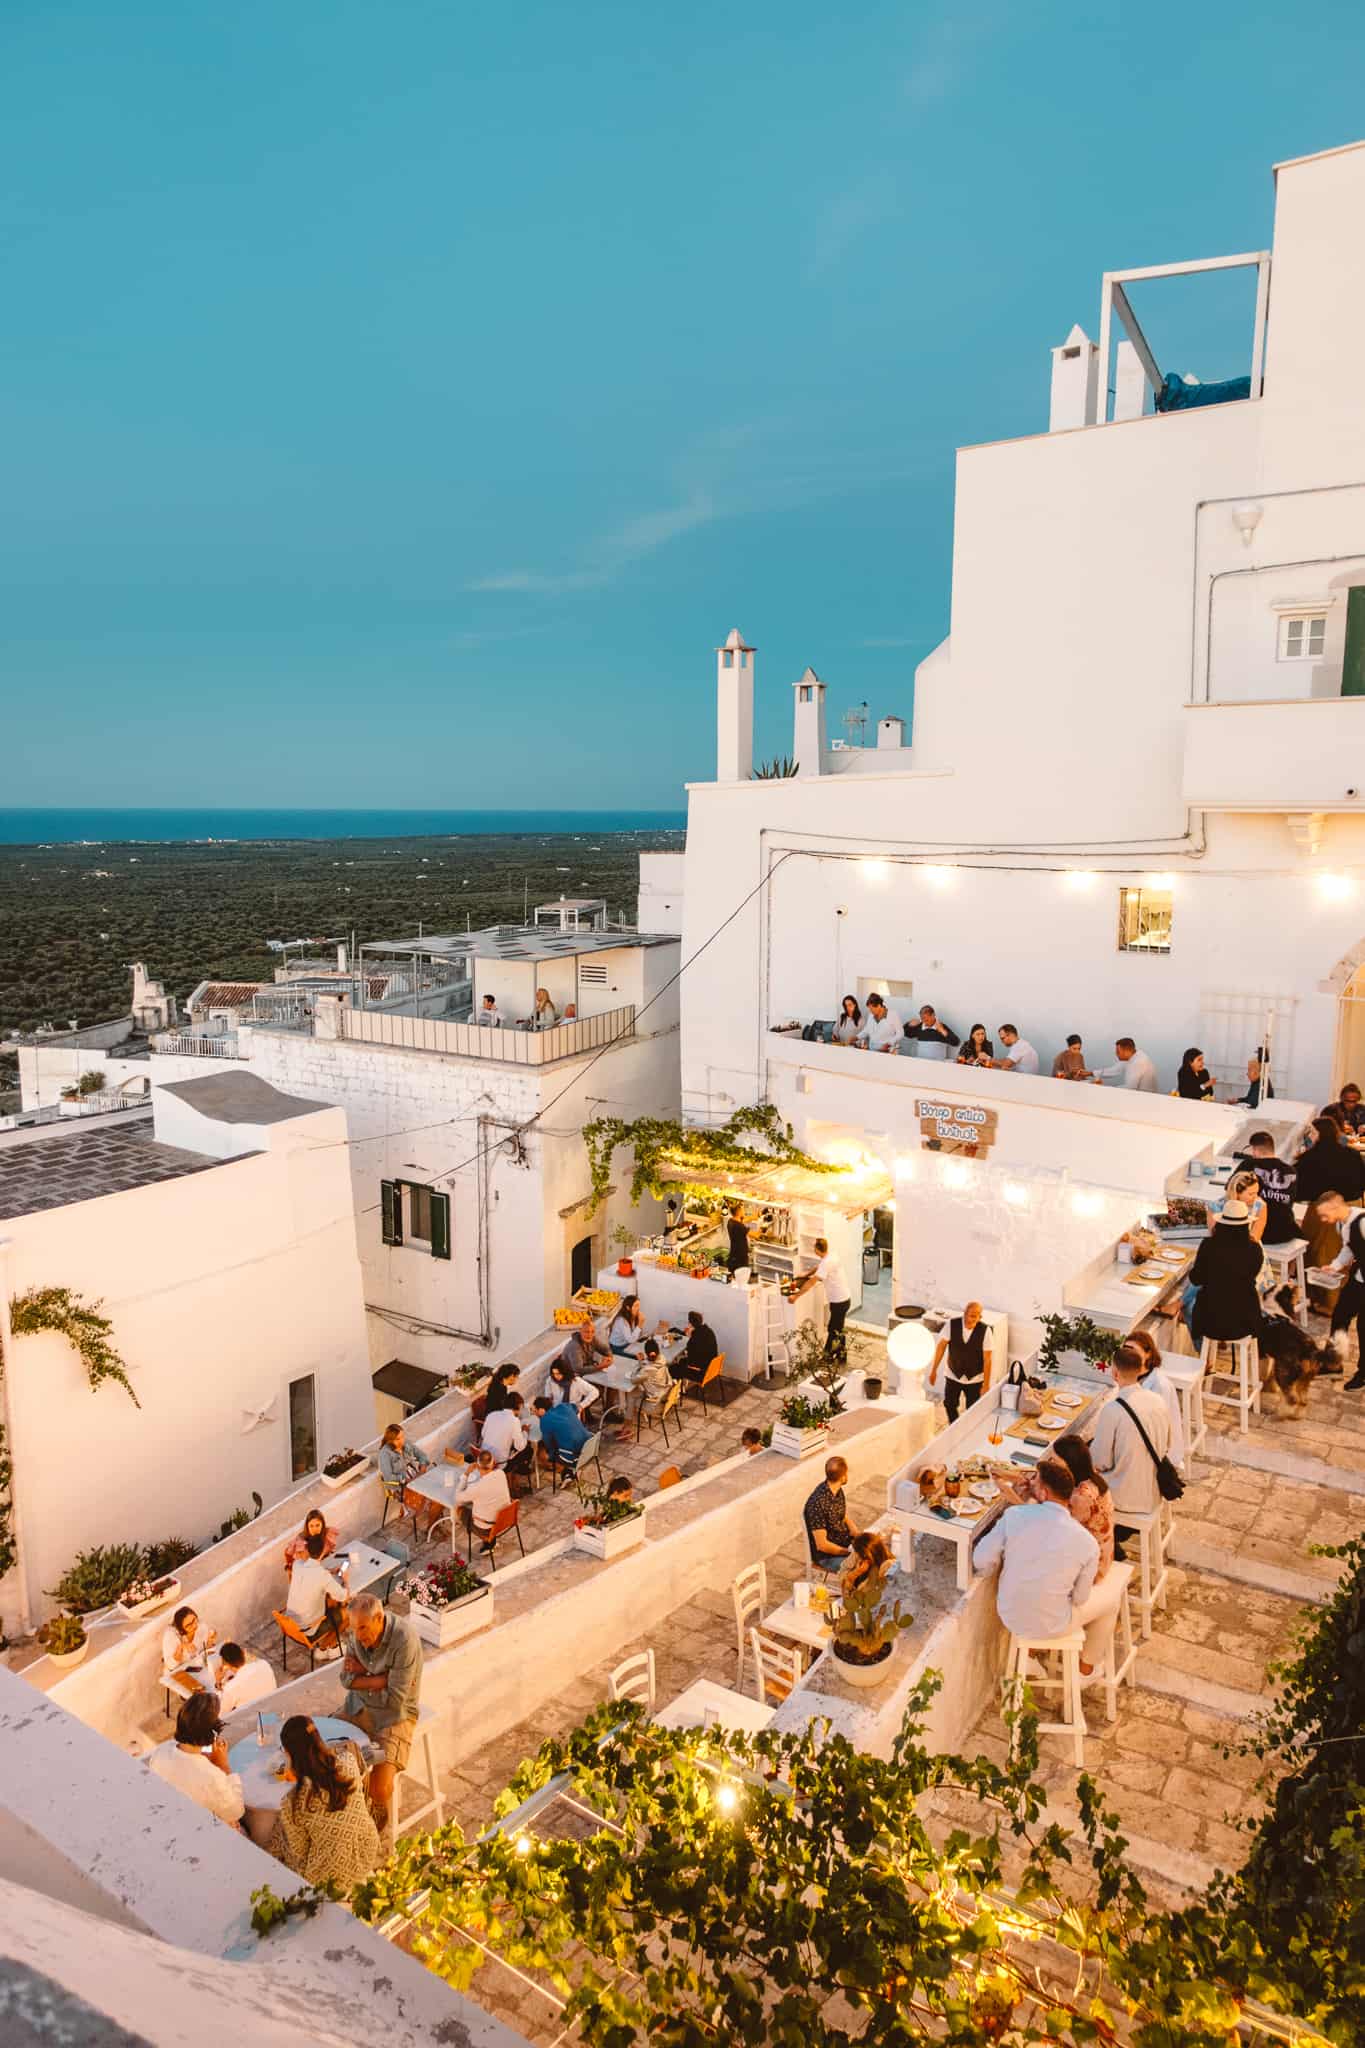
point(967, 1344)
point(738, 1231)
point(830, 1274)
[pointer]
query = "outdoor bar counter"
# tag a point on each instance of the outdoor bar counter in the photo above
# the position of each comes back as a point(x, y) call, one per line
point(956, 1631)
point(738, 1315)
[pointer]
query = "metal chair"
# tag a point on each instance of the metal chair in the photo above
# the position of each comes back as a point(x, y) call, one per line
point(749, 1589)
point(634, 1680)
point(659, 1410)
point(712, 1375)
point(505, 1519)
point(589, 1453)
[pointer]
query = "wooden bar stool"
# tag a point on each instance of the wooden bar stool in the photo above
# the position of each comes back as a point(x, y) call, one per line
point(1186, 1375)
point(1287, 1259)
point(1021, 1671)
point(1245, 1370)
point(1151, 1535)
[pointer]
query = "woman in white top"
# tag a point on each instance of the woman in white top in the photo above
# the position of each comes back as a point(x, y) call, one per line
point(184, 1649)
point(566, 1385)
point(545, 1016)
point(628, 1327)
point(849, 1027)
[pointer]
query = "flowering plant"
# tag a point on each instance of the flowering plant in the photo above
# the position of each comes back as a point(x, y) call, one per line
point(144, 1589)
point(601, 1510)
point(341, 1461)
point(441, 1585)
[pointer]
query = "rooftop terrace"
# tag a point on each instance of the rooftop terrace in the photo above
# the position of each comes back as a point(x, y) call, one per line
point(50, 1168)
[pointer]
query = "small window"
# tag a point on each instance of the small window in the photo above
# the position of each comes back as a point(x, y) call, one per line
point(426, 1224)
point(805, 693)
point(1303, 636)
point(1145, 920)
point(728, 658)
point(303, 1427)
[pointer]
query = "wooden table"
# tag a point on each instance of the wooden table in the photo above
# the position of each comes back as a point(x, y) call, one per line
point(729, 1710)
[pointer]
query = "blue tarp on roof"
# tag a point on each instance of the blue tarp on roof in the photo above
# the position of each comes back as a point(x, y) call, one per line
point(1176, 395)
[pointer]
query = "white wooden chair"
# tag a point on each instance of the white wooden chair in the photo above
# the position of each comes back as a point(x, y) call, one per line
point(1244, 1372)
point(750, 1591)
point(634, 1680)
point(1120, 1652)
point(1022, 1670)
point(777, 1666)
point(432, 1801)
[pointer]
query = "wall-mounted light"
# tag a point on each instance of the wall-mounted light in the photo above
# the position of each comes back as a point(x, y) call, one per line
point(1016, 1194)
point(1080, 879)
point(875, 870)
point(1335, 888)
point(1083, 1204)
point(937, 877)
point(1246, 517)
point(1165, 883)
point(955, 1174)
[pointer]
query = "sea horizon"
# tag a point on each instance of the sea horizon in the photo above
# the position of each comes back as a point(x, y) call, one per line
point(92, 825)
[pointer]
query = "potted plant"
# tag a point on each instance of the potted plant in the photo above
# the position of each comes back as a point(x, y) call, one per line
point(95, 1578)
point(864, 1632)
point(447, 1601)
point(608, 1526)
point(145, 1594)
point(872, 1386)
point(468, 1377)
point(1069, 1341)
point(810, 1364)
point(803, 1428)
point(64, 1639)
point(625, 1242)
point(344, 1466)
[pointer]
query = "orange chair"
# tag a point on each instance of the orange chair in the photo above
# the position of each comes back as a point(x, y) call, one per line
point(670, 1476)
point(505, 1519)
point(712, 1375)
point(290, 1632)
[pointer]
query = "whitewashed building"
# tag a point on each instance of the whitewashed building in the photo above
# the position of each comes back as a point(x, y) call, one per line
point(217, 1235)
point(469, 1174)
point(1132, 801)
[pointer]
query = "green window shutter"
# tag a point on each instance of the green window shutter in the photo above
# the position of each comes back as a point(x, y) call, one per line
point(391, 1211)
point(1353, 666)
point(440, 1226)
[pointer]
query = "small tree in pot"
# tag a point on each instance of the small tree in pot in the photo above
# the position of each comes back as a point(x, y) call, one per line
point(625, 1242)
point(865, 1632)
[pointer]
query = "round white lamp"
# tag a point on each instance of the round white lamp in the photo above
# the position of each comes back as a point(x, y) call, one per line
point(910, 1347)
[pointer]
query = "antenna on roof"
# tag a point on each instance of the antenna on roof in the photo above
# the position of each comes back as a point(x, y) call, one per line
point(855, 725)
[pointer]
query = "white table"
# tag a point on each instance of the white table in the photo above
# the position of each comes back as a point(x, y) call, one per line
point(262, 1790)
point(734, 1711)
point(440, 1484)
point(1114, 1300)
point(368, 1565)
point(795, 1624)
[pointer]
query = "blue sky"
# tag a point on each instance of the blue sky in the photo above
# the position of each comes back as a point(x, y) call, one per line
point(400, 403)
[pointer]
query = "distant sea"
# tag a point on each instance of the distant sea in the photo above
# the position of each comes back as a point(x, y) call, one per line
point(37, 827)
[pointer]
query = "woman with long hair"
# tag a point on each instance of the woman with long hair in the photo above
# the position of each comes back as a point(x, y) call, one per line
point(1194, 1082)
point(325, 1831)
point(627, 1327)
point(315, 1523)
point(977, 1050)
point(1329, 1166)
point(871, 1557)
point(1092, 1504)
point(848, 1028)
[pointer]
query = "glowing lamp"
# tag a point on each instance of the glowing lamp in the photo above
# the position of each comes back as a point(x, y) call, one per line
point(1081, 878)
point(1334, 888)
point(910, 1347)
point(727, 1798)
point(955, 1174)
point(941, 877)
point(1016, 1194)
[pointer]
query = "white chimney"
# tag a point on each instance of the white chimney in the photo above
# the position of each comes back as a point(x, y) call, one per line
point(1130, 382)
point(808, 746)
point(734, 710)
point(891, 732)
point(341, 957)
point(1075, 383)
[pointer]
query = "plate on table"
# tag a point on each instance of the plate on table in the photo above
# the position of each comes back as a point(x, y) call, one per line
point(984, 1489)
point(1171, 1257)
point(1052, 1422)
point(967, 1510)
point(1068, 1400)
point(1145, 1279)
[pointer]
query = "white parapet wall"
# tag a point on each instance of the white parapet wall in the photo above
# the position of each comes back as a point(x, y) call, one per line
point(118, 1892)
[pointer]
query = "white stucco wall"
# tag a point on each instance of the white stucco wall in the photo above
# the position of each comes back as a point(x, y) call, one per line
point(659, 907)
point(45, 1070)
point(222, 1286)
point(415, 1116)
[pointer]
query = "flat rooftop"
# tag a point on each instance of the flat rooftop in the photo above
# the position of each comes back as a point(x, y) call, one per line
point(78, 1164)
point(524, 942)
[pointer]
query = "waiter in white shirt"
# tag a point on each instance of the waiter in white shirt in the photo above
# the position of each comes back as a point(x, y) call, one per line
point(830, 1274)
point(884, 1028)
point(1020, 1057)
point(1134, 1068)
point(1047, 1560)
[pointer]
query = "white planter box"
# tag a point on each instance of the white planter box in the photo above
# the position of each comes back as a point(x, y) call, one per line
point(798, 1443)
point(442, 1626)
point(162, 1599)
point(613, 1541)
point(345, 1478)
point(65, 1661)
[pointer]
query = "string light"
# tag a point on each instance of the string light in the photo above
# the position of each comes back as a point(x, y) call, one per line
point(940, 877)
point(522, 1845)
point(1080, 879)
point(1335, 888)
point(875, 870)
point(727, 1797)
point(1016, 1194)
point(1083, 1204)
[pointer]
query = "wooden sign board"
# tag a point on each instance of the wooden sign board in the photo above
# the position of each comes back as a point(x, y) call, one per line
point(947, 1126)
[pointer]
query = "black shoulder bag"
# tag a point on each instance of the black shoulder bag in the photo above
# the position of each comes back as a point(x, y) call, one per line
point(1169, 1483)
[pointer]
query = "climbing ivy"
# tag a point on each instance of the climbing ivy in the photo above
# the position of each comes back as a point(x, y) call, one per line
point(80, 1322)
point(663, 1141)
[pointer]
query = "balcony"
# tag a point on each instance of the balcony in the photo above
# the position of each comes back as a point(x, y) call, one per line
point(222, 1045)
point(507, 1044)
point(1304, 754)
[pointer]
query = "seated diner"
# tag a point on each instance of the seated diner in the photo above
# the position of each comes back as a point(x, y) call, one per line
point(325, 1832)
point(829, 1532)
point(184, 1650)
